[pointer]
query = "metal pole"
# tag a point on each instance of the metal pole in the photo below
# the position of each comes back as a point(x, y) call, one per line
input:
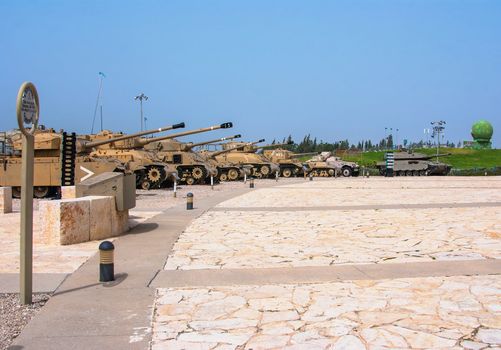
point(101, 117)
point(141, 102)
point(26, 262)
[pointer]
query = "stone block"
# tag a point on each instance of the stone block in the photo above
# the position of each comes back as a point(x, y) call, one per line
point(65, 221)
point(68, 192)
point(5, 200)
point(101, 208)
point(119, 221)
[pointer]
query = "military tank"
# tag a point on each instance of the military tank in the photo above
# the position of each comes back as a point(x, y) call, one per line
point(191, 167)
point(287, 160)
point(241, 153)
point(225, 171)
point(317, 166)
point(326, 165)
point(60, 159)
point(408, 163)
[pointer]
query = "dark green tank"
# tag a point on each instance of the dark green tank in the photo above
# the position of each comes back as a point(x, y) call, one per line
point(408, 163)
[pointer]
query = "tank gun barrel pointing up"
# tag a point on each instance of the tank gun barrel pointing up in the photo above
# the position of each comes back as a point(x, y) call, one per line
point(92, 144)
point(185, 133)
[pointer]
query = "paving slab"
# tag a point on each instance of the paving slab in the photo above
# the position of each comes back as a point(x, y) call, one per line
point(318, 274)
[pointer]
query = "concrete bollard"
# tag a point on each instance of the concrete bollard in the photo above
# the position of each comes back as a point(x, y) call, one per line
point(276, 176)
point(175, 189)
point(5, 200)
point(106, 262)
point(251, 182)
point(245, 179)
point(189, 201)
point(212, 183)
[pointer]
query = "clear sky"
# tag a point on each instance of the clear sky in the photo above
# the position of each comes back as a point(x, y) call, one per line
point(335, 69)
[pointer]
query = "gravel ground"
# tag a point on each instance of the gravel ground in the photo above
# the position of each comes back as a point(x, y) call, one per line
point(13, 316)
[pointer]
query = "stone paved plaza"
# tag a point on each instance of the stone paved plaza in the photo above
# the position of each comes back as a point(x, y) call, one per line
point(360, 224)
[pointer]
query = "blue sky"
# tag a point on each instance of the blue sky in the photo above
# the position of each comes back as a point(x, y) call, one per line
point(335, 69)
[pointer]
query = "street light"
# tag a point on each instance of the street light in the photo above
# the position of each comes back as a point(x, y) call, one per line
point(141, 97)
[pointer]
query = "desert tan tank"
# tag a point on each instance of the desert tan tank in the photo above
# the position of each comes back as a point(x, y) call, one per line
point(317, 166)
point(241, 153)
point(225, 171)
point(288, 161)
point(191, 167)
point(59, 157)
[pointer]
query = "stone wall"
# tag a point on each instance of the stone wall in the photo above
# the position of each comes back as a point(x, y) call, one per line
point(77, 220)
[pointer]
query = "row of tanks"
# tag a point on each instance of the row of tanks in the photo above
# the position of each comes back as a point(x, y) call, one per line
point(63, 159)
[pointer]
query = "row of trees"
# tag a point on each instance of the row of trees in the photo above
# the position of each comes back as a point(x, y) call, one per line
point(309, 144)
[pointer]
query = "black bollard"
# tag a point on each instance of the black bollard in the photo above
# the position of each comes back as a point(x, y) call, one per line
point(106, 262)
point(189, 201)
point(251, 182)
point(311, 177)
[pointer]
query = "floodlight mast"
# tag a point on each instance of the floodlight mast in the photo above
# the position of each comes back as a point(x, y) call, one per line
point(438, 127)
point(141, 97)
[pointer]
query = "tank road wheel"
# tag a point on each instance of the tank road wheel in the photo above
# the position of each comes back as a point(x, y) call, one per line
point(40, 191)
point(155, 176)
point(190, 181)
point(287, 172)
point(331, 172)
point(223, 177)
point(233, 174)
point(346, 171)
point(145, 185)
point(16, 192)
point(197, 173)
point(415, 173)
point(265, 170)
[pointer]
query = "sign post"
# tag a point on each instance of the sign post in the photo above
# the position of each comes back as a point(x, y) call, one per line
point(27, 108)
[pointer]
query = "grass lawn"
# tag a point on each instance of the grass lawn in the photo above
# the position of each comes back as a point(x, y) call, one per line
point(459, 159)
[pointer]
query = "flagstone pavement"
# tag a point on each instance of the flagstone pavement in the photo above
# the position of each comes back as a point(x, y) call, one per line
point(339, 222)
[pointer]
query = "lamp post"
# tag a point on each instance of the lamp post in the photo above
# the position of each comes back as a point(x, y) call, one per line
point(141, 97)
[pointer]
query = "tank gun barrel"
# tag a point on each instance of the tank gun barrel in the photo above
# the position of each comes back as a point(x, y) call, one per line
point(88, 145)
point(274, 145)
point(192, 145)
point(304, 154)
point(214, 154)
point(144, 142)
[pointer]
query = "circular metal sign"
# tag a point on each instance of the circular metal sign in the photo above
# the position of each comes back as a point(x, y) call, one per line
point(28, 108)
